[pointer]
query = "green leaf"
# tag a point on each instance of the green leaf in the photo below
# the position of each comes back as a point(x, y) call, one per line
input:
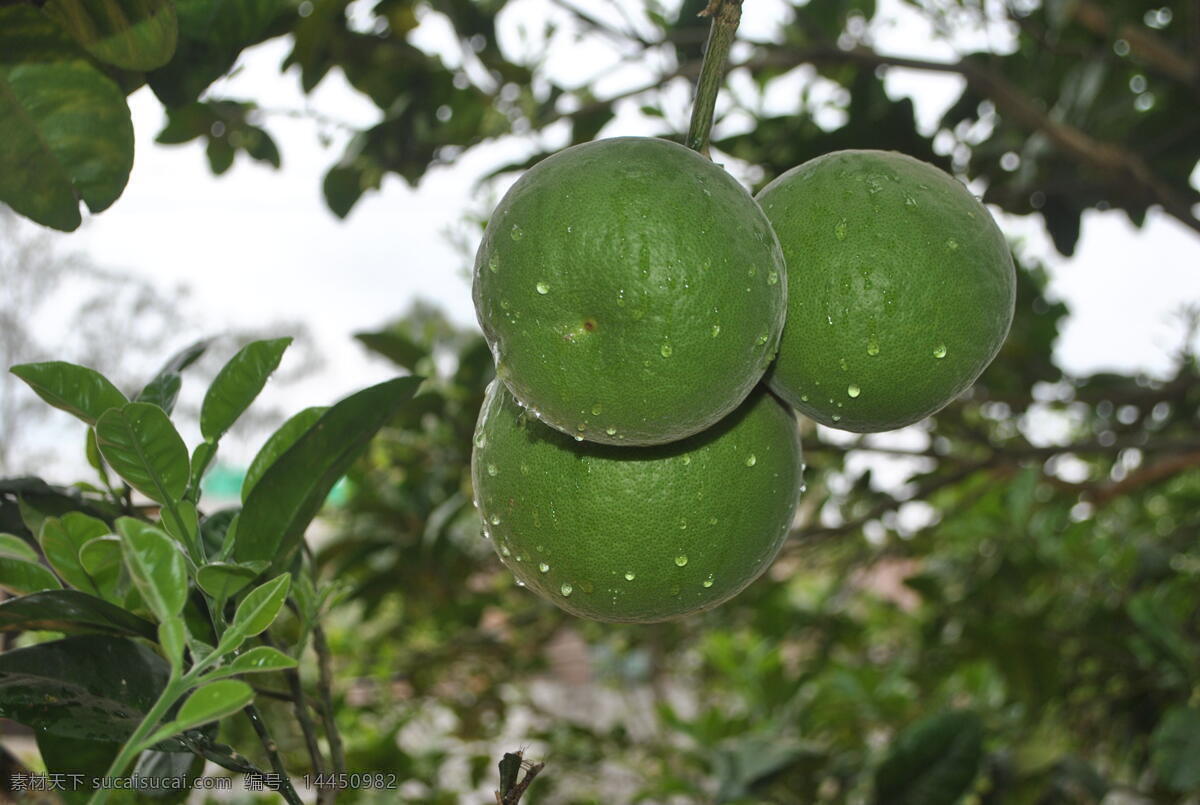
point(76, 756)
point(256, 612)
point(92, 451)
point(185, 528)
point(932, 762)
point(142, 446)
point(20, 576)
point(202, 456)
point(223, 580)
point(277, 444)
point(1176, 749)
point(61, 539)
point(157, 567)
point(257, 660)
point(95, 687)
point(80, 391)
point(172, 636)
point(70, 611)
point(292, 490)
point(14, 546)
point(100, 558)
point(130, 34)
point(395, 346)
point(162, 391)
point(65, 131)
point(237, 384)
point(209, 703)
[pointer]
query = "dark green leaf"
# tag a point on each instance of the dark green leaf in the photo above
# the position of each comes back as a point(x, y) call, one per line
point(156, 566)
point(291, 492)
point(222, 580)
point(65, 131)
point(77, 390)
point(76, 756)
point(1176, 746)
point(237, 384)
point(70, 611)
point(279, 443)
point(94, 687)
point(20, 576)
point(101, 560)
point(131, 34)
point(141, 444)
point(395, 346)
point(162, 391)
point(14, 546)
point(61, 539)
point(932, 762)
point(202, 456)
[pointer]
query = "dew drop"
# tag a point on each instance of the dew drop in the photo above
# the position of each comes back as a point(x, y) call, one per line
point(762, 339)
point(837, 417)
point(629, 575)
point(842, 363)
point(494, 264)
point(566, 589)
point(839, 229)
point(480, 440)
point(579, 438)
point(751, 460)
point(772, 277)
point(681, 560)
point(853, 390)
point(504, 551)
point(492, 471)
point(611, 431)
point(596, 409)
point(909, 201)
point(665, 350)
point(524, 469)
point(952, 244)
point(687, 460)
point(495, 519)
point(543, 567)
point(543, 288)
point(803, 398)
point(708, 580)
point(872, 347)
point(520, 583)
point(716, 330)
point(516, 232)
point(939, 351)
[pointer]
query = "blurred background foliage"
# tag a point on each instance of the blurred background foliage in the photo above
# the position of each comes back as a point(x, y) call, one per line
point(996, 606)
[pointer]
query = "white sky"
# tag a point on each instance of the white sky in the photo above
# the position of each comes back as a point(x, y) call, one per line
point(258, 245)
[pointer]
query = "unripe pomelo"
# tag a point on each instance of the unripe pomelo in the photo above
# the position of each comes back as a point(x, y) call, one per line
point(900, 288)
point(645, 534)
point(631, 290)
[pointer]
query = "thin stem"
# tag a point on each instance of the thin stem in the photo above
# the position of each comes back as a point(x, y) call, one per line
point(726, 14)
point(133, 746)
point(325, 684)
point(264, 736)
point(300, 707)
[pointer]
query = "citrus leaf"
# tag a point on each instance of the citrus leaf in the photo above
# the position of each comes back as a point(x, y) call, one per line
point(20, 576)
point(396, 347)
point(172, 636)
point(78, 390)
point(61, 539)
point(1176, 746)
point(237, 384)
point(96, 687)
point(70, 611)
point(278, 443)
point(290, 493)
point(14, 546)
point(76, 756)
point(100, 558)
point(256, 612)
point(202, 456)
point(932, 762)
point(141, 444)
point(156, 566)
point(131, 34)
point(222, 580)
point(65, 130)
point(209, 703)
point(257, 660)
point(162, 391)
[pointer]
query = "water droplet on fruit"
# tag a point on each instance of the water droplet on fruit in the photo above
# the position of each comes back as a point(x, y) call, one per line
point(872, 347)
point(751, 460)
point(939, 351)
point(682, 524)
point(492, 471)
point(579, 438)
point(570, 229)
point(504, 551)
point(853, 390)
point(596, 409)
point(716, 330)
point(516, 232)
point(762, 339)
point(772, 277)
point(611, 431)
point(495, 520)
point(629, 575)
point(493, 264)
point(803, 398)
point(839, 229)
point(952, 244)
point(665, 350)
point(909, 201)
point(837, 418)
point(681, 560)
point(520, 583)
point(524, 469)
point(542, 288)
point(566, 589)
point(480, 440)
point(708, 580)
point(543, 567)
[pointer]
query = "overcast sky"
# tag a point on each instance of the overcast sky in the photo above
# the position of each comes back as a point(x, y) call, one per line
point(258, 245)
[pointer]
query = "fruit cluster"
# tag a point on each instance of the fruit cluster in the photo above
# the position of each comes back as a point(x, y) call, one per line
point(630, 466)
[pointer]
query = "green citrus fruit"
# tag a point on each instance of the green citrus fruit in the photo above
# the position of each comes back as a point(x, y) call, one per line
point(636, 533)
point(631, 290)
point(900, 288)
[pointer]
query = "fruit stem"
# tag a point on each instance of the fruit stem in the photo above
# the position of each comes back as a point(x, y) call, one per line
point(726, 14)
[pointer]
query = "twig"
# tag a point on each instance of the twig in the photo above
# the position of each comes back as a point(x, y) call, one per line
point(726, 14)
point(300, 707)
point(325, 685)
point(272, 749)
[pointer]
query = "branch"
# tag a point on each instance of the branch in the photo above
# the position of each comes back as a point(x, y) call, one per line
point(325, 685)
point(726, 14)
point(1143, 45)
